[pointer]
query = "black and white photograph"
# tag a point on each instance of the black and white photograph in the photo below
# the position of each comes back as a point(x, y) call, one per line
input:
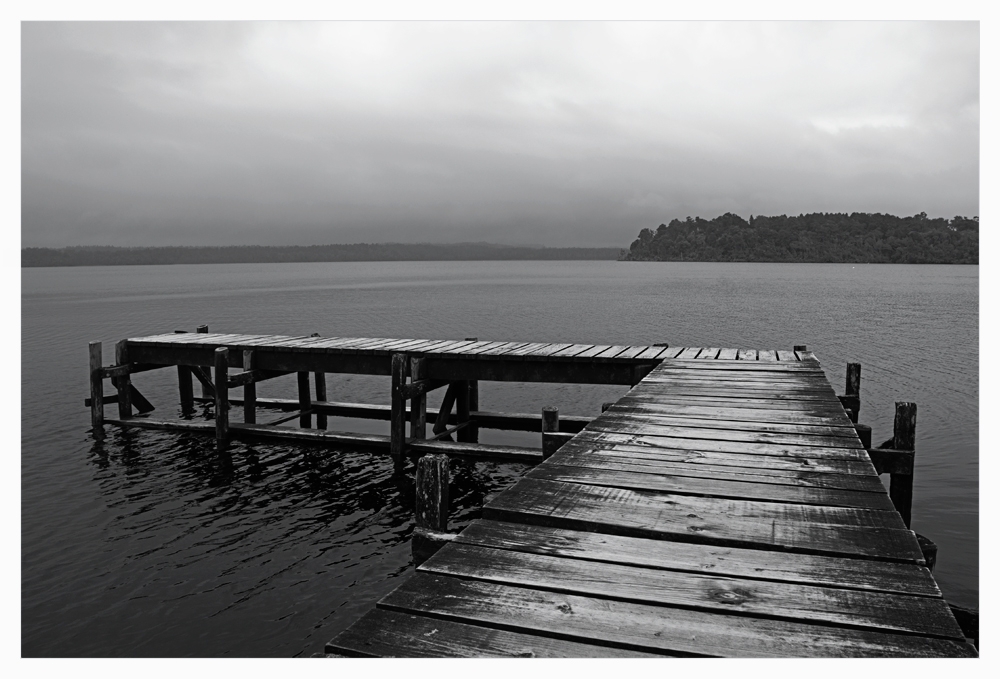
point(517, 336)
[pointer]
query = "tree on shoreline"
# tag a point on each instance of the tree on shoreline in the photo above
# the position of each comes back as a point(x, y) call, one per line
point(818, 237)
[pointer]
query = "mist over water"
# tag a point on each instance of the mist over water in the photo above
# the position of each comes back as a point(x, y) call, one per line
point(152, 544)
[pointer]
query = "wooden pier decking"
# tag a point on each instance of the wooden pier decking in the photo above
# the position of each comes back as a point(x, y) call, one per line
point(724, 507)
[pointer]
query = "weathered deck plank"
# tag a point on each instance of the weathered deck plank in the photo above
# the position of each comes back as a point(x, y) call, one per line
point(791, 601)
point(390, 634)
point(647, 627)
point(755, 564)
point(612, 475)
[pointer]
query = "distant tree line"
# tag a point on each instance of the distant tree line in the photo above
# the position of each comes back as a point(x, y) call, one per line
point(817, 237)
point(357, 252)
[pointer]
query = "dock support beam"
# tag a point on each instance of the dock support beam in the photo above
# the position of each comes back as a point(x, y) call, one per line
point(471, 432)
point(320, 380)
point(96, 389)
point(206, 392)
point(123, 382)
point(550, 423)
point(305, 401)
point(444, 412)
point(221, 397)
point(462, 411)
point(249, 391)
point(865, 434)
point(851, 400)
point(397, 421)
point(904, 434)
point(418, 404)
point(432, 481)
point(184, 384)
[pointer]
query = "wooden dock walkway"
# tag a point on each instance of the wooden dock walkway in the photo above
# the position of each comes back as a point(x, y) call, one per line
point(725, 506)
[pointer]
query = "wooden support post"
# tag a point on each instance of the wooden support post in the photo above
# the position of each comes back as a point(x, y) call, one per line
point(865, 434)
point(968, 621)
point(473, 428)
point(853, 389)
point(550, 423)
point(249, 391)
point(397, 421)
point(432, 492)
point(184, 384)
point(96, 388)
point(904, 426)
point(185, 388)
point(800, 347)
point(221, 396)
point(853, 385)
point(320, 380)
point(305, 401)
point(929, 549)
point(123, 382)
point(205, 391)
point(418, 404)
point(431, 484)
point(472, 431)
point(462, 409)
point(851, 400)
point(444, 413)
point(904, 434)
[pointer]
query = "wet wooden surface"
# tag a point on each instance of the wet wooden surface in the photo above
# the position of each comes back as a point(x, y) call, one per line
point(488, 350)
point(723, 507)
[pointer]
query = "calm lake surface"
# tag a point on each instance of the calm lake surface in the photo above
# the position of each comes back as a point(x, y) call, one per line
point(150, 544)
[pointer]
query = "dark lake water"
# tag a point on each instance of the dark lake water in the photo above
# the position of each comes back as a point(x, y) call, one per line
point(150, 544)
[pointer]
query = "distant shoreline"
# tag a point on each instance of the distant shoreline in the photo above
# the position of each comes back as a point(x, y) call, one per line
point(277, 254)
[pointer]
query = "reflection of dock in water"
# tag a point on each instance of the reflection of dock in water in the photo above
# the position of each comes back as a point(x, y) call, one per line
point(728, 505)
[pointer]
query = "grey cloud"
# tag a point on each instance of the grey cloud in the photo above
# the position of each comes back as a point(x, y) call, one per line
point(543, 133)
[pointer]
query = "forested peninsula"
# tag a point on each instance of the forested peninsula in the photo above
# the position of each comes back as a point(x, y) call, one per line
point(818, 237)
point(357, 252)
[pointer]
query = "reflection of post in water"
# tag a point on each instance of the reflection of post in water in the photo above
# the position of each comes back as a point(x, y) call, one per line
point(223, 472)
point(99, 452)
point(128, 446)
point(255, 470)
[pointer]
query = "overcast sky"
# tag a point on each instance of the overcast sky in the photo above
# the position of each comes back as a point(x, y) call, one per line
point(562, 133)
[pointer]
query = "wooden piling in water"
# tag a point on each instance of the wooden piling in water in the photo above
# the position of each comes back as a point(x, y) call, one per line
point(431, 511)
point(206, 391)
point(397, 422)
point(319, 379)
point(123, 382)
point(96, 388)
point(305, 401)
point(418, 404)
point(221, 376)
point(472, 431)
point(853, 384)
point(185, 386)
point(462, 410)
point(904, 435)
point(865, 434)
point(550, 423)
point(249, 391)
point(851, 400)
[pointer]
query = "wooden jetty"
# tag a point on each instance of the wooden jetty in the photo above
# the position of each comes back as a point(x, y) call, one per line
point(728, 505)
